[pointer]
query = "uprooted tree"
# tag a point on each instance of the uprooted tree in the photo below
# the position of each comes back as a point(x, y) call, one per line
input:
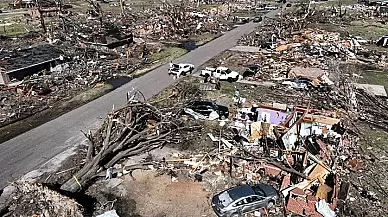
point(136, 128)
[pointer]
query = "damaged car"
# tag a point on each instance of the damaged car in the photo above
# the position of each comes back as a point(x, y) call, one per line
point(207, 110)
point(223, 73)
point(244, 199)
point(257, 19)
point(251, 71)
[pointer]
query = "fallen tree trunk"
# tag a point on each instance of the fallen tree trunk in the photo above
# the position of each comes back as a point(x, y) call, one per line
point(134, 129)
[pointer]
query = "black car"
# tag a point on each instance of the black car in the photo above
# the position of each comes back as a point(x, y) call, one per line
point(257, 19)
point(251, 71)
point(243, 20)
point(206, 107)
point(243, 199)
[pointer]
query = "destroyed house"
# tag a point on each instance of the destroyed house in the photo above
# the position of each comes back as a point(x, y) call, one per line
point(307, 197)
point(303, 123)
point(113, 40)
point(271, 115)
point(22, 4)
point(307, 135)
point(18, 64)
point(383, 10)
point(45, 12)
point(317, 76)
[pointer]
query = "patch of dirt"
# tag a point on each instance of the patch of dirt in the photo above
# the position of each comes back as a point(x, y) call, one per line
point(111, 194)
point(159, 196)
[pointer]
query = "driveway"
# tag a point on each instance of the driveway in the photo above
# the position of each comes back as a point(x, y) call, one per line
point(28, 151)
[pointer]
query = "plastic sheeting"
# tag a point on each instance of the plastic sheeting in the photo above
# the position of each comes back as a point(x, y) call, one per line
point(110, 213)
point(324, 209)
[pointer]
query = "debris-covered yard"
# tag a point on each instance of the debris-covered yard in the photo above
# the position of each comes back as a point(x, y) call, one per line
point(300, 130)
point(57, 57)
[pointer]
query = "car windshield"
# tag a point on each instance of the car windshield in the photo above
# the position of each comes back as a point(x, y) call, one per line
point(228, 71)
point(224, 199)
point(258, 191)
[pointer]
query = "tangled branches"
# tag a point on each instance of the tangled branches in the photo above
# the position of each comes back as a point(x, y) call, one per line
point(136, 128)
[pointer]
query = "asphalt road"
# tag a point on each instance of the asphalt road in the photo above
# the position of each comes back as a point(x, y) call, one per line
point(28, 151)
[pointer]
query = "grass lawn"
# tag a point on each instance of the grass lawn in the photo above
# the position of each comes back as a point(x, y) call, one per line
point(370, 75)
point(376, 77)
point(205, 38)
point(366, 29)
point(13, 29)
point(335, 3)
point(208, 7)
point(4, 5)
point(374, 138)
point(167, 54)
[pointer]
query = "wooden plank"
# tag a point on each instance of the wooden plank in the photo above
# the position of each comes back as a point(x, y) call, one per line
point(323, 192)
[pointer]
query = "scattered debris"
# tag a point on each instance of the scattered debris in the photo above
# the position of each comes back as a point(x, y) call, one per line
point(300, 138)
point(31, 199)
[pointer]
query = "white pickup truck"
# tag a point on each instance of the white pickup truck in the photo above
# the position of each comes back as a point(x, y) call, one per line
point(222, 73)
point(180, 69)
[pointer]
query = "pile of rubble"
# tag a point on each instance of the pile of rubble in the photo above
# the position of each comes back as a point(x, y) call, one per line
point(303, 59)
point(301, 151)
point(179, 22)
point(31, 199)
point(62, 77)
point(167, 22)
